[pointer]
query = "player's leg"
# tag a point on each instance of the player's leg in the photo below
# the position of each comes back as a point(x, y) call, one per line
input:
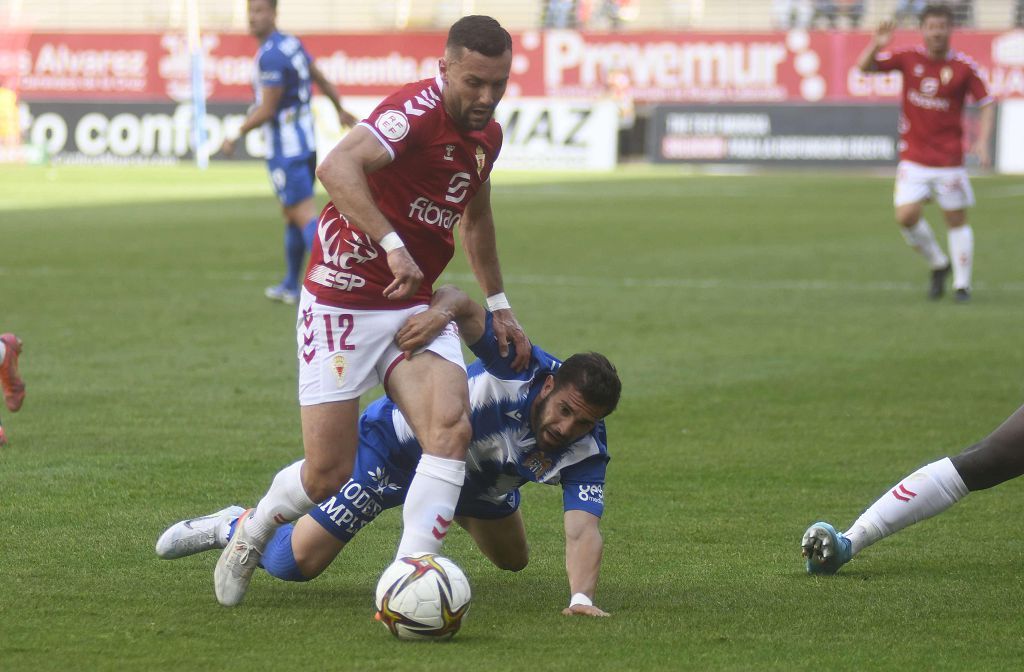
point(501, 540)
point(293, 182)
point(913, 190)
point(954, 196)
point(433, 395)
point(10, 379)
point(925, 493)
point(997, 458)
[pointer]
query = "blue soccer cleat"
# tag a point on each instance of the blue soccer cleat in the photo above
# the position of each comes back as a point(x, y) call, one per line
point(826, 549)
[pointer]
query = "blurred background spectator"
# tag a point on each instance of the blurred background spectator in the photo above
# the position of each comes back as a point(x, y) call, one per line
point(829, 12)
point(792, 13)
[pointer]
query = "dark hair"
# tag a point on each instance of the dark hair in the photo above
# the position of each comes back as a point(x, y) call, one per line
point(481, 34)
point(937, 10)
point(595, 378)
point(272, 3)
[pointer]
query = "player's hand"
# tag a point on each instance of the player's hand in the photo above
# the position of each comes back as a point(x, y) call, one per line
point(420, 329)
point(883, 34)
point(981, 151)
point(507, 330)
point(584, 610)
point(408, 275)
point(227, 148)
point(347, 119)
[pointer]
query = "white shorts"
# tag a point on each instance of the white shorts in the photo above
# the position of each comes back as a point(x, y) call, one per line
point(345, 352)
point(948, 186)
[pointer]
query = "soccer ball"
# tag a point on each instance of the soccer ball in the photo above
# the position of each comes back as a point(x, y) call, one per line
point(423, 597)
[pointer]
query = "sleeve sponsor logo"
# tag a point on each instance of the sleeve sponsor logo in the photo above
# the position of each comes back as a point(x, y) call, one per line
point(592, 493)
point(393, 125)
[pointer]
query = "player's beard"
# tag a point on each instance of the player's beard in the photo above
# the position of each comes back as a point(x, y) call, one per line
point(474, 121)
point(545, 443)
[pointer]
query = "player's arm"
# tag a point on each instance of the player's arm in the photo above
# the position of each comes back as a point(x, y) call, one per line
point(343, 173)
point(259, 115)
point(985, 124)
point(327, 88)
point(448, 304)
point(480, 243)
point(881, 38)
point(583, 549)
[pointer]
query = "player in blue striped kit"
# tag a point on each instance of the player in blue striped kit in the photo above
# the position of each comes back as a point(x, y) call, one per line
point(544, 425)
point(282, 86)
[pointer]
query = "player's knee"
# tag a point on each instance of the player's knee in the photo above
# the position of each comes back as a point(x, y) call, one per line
point(513, 562)
point(907, 218)
point(322, 481)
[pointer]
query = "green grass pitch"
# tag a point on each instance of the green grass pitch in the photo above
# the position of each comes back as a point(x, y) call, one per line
point(780, 362)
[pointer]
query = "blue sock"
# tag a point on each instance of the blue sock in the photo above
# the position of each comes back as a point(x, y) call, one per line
point(294, 251)
point(278, 559)
point(309, 233)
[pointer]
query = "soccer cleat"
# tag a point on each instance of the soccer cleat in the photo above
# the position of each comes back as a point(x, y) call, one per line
point(13, 385)
point(962, 295)
point(236, 565)
point(196, 535)
point(282, 294)
point(938, 287)
point(826, 549)
point(3, 437)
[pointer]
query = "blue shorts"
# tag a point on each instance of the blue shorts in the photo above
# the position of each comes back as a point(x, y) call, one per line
point(380, 480)
point(293, 179)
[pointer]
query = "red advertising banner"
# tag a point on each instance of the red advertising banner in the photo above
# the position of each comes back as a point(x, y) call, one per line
point(692, 67)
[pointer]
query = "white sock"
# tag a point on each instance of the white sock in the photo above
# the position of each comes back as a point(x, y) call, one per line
point(285, 501)
point(927, 492)
point(961, 248)
point(921, 238)
point(3, 351)
point(430, 504)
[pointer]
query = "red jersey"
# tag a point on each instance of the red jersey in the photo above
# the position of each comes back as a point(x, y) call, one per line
point(931, 127)
point(437, 169)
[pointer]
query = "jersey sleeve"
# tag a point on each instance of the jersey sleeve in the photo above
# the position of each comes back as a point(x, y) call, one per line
point(486, 350)
point(583, 485)
point(887, 61)
point(977, 88)
point(405, 120)
point(272, 65)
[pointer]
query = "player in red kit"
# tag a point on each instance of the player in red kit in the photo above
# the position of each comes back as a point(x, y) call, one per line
point(936, 83)
point(400, 183)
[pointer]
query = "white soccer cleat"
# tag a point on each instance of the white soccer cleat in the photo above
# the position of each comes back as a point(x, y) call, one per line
point(196, 535)
point(282, 294)
point(236, 565)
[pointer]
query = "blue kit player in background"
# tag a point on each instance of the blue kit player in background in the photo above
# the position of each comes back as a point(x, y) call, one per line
point(544, 424)
point(283, 88)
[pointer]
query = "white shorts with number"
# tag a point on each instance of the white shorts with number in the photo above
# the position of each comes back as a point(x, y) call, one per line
point(345, 352)
point(948, 186)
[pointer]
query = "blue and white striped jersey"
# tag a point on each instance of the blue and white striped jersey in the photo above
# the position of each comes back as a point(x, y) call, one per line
point(282, 61)
point(503, 453)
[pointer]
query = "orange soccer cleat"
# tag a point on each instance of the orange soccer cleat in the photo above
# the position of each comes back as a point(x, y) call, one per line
point(13, 385)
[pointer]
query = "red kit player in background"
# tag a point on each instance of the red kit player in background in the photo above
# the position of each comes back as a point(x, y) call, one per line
point(400, 183)
point(936, 83)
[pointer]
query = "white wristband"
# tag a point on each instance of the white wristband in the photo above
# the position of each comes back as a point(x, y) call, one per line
point(580, 598)
point(392, 241)
point(498, 302)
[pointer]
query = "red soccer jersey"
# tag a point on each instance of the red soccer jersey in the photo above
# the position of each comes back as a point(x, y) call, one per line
point(931, 127)
point(437, 170)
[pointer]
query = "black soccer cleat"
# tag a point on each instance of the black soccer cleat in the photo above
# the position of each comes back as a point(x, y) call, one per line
point(962, 295)
point(938, 287)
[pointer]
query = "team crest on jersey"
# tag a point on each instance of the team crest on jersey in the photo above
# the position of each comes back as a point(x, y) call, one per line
point(946, 74)
point(338, 364)
point(538, 463)
point(481, 160)
point(929, 86)
point(449, 151)
point(393, 125)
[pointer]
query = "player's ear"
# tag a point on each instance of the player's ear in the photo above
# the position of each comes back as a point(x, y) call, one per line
point(548, 386)
point(442, 67)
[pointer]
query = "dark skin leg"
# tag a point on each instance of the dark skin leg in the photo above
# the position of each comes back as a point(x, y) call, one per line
point(997, 458)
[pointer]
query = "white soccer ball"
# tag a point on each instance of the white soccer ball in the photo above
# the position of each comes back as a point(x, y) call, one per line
point(423, 597)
